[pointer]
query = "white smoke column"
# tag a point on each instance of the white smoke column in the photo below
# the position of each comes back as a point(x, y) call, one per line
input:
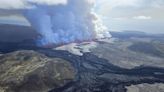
point(64, 23)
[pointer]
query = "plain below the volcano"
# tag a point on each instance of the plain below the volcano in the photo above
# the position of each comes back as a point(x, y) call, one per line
point(158, 87)
point(120, 54)
point(29, 71)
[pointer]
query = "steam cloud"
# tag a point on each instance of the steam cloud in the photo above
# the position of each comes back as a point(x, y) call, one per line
point(65, 21)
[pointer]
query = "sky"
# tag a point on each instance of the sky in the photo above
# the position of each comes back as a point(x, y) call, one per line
point(117, 15)
point(138, 15)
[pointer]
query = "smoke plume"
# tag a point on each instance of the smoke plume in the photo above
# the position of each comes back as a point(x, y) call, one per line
point(60, 21)
point(71, 21)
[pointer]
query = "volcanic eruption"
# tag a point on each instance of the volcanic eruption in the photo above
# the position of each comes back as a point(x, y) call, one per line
point(60, 21)
point(65, 22)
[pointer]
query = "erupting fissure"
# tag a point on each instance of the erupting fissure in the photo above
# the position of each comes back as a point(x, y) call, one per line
point(66, 22)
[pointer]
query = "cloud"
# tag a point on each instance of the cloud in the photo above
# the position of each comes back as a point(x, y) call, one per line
point(10, 4)
point(132, 3)
point(23, 4)
point(142, 17)
point(146, 15)
point(15, 7)
point(105, 6)
point(48, 2)
point(120, 18)
point(10, 7)
point(129, 8)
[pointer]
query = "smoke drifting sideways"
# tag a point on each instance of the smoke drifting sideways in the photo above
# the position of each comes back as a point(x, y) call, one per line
point(72, 21)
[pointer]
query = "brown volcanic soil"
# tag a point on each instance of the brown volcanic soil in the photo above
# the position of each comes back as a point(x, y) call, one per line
point(29, 71)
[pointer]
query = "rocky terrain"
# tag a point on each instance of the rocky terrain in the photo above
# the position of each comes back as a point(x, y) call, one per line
point(120, 64)
point(158, 87)
point(29, 71)
point(130, 54)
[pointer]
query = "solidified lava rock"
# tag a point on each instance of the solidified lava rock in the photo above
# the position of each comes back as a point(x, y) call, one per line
point(29, 71)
